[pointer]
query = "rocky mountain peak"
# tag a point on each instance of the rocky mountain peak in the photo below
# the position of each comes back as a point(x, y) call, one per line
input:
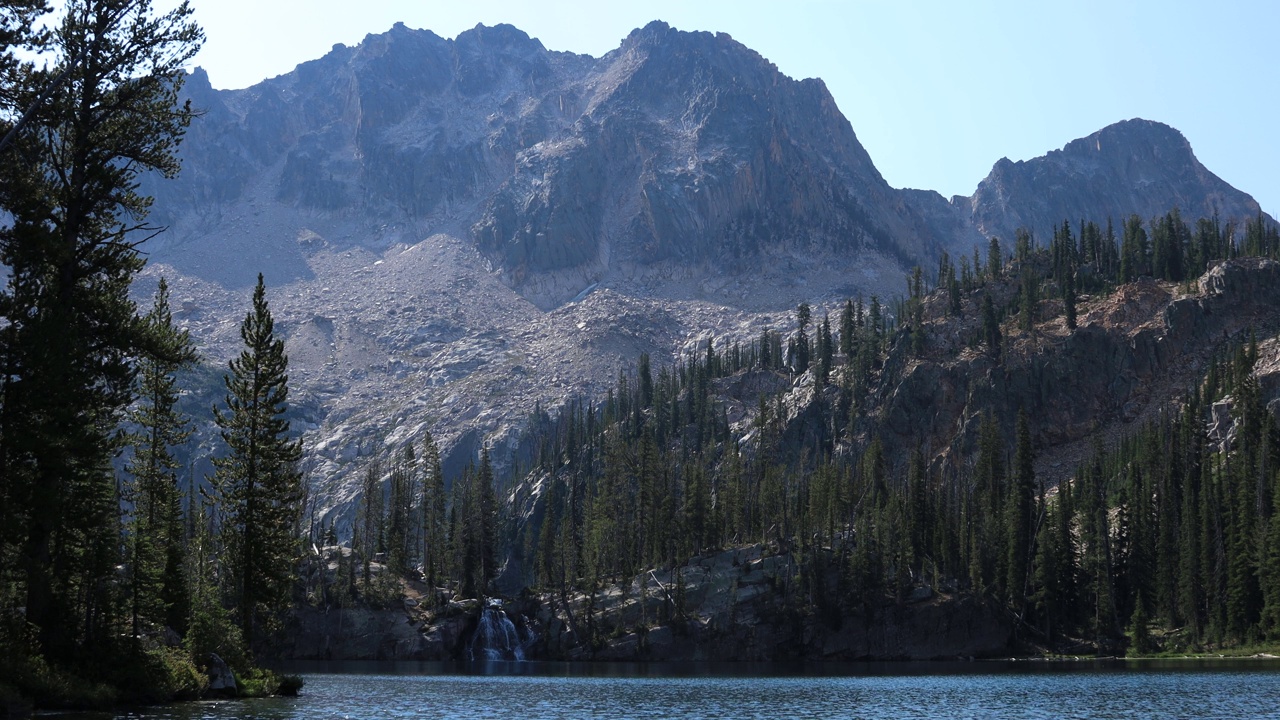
point(501, 38)
point(1128, 137)
point(1131, 167)
point(680, 137)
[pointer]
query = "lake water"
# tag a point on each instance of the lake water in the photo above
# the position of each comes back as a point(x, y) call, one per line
point(1173, 689)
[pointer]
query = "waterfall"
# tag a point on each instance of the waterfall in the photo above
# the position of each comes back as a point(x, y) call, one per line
point(497, 638)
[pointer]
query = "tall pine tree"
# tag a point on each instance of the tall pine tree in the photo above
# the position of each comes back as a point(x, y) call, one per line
point(257, 484)
point(104, 112)
point(156, 540)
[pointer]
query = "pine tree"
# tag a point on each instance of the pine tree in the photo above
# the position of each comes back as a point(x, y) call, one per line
point(990, 325)
point(402, 525)
point(434, 518)
point(824, 350)
point(1022, 245)
point(1269, 570)
point(801, 341)
point(646, 380)
point(1140, 642)
point(995, 266)
point(210, 627)
point(875, 326)
point(1069, 299)
point(477, 535)
point(1020, 523)
point(157, 583)
point(846, 330)
point(367, 535)
point(257, 484)
point(1029, 297)
point(954, 304)
point(106, 113)
point(1133, 250)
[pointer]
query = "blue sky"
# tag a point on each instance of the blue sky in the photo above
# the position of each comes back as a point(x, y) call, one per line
point(936, 91)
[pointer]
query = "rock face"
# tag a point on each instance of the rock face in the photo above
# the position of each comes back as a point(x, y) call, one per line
point(689, 147)
point(359, 634)
point(682, 147)
point(459, 233)
point(1132, 167)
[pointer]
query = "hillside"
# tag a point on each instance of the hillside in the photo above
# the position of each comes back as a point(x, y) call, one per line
point(727, 507)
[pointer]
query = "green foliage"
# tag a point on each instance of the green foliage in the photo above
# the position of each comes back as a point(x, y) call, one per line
point(109, 115)
point(367, 536)
point(31, 676)
point(1164, 515)
point(1020, 511)
point(50, 687)
point(290, 685)
point(434, 518)
point(212, 630)
point(257, 485)
point(474, 529)
point(655, 475)
point(259, 683)
point(991, 335)
point(402, 526)
point(798, 350)
point(1140, 642)
point(156, 542)
point(158, 675)
point(1028, 299)
point(86, 378)
point(995, 259)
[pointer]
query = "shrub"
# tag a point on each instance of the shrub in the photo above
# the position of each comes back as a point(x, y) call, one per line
point(290, 685)
point(212, 631)
point(51, 687)
point(159, 675)
point(257, 682)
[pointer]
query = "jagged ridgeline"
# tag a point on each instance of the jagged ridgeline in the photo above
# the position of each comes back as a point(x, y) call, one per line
point(1076, 432)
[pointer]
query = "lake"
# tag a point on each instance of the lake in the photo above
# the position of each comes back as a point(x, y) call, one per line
point(1096, 690)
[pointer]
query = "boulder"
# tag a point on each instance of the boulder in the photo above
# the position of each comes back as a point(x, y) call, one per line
point(221, 680)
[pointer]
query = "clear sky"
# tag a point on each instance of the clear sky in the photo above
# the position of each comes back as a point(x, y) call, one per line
point(936, 91)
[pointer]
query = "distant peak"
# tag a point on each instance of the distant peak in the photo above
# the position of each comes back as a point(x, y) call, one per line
point(1128, 133)
point(399, 32)
point(657, 32)
point(655, 26)
point(1141, 127)
point(500, 35)
point(198, 78)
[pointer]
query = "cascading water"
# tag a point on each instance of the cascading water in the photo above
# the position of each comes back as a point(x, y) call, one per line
point(497, 638)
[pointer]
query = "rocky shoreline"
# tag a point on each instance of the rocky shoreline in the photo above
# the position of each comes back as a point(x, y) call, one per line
point(729, 605)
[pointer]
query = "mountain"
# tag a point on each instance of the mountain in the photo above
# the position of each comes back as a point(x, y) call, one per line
point(1132, 167)
point(675, 149)
point(459, 234)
